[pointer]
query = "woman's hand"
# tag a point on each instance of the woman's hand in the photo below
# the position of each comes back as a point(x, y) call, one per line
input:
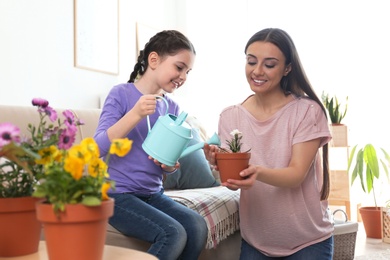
point(249, 175)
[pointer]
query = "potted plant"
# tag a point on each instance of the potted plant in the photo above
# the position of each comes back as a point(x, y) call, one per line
point(366, 168)
point(73, 188)
point(337, 113)
point(231, 161)
point(17, 206)
point(19, 172)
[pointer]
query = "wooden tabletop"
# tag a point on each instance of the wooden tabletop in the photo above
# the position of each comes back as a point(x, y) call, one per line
point(110, 253)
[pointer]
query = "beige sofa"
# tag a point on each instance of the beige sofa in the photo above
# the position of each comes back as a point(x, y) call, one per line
point(224, 237)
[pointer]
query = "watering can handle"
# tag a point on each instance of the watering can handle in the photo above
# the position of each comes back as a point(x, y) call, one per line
point(166, 111)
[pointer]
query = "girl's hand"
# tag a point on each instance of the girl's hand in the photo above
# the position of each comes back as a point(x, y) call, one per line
point(146, 105)
point(209, 152)
point(164, 167)
point(249, 175)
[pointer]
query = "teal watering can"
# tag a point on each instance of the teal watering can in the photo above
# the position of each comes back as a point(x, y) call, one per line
point(168, 139)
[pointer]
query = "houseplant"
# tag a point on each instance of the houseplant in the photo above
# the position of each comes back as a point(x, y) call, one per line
point(337, 113)
point(17, 207)
point(366, 168)
point(231, 161)
point(19, 172)
point(73, 188)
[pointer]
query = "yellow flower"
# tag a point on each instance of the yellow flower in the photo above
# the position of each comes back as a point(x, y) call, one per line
point(74, 165)
point(105, 187)
point(90, 149)
point(120, 147)
point(48, 154)
point(97, 166)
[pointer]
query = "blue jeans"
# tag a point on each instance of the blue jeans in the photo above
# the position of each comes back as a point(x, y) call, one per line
point(175, 231)
point(320, 251)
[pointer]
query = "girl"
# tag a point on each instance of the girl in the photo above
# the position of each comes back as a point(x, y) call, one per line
point(141, 208)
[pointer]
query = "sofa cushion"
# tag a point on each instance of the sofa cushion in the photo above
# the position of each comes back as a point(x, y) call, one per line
point(194, 171)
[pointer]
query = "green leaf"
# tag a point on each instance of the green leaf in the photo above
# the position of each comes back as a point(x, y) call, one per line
point(91, 201)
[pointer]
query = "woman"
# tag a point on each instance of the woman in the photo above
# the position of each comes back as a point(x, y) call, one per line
point(283, 207)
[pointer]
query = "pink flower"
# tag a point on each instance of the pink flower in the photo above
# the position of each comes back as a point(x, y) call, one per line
point(9, 133)
point(69, 118)
point(51, 113)
point(67, 138)
point(40, 102)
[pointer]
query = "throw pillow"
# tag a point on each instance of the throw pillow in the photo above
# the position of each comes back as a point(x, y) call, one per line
point(194, 171)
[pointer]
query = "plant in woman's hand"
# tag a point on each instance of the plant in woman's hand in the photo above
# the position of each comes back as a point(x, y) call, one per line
point(234, 143)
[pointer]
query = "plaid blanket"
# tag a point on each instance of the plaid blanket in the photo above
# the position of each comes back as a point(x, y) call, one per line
point(218, 206)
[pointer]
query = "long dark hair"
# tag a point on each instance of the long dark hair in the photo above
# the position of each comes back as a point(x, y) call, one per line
point(168, 42)
point(295, 82)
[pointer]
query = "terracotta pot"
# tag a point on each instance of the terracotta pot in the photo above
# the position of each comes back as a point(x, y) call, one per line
point(19, 228)
point(77, 233)
point(371, 217)
point(231, 164)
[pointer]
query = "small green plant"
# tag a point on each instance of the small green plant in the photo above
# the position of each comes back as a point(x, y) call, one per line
point(367, 168)
point(336, 111)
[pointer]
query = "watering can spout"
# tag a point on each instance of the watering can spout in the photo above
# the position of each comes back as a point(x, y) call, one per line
point(213, 140)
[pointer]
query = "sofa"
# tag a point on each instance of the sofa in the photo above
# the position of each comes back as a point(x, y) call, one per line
point(218, 205)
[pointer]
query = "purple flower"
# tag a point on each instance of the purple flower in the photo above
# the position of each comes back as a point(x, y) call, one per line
point(67, 138)
point(51, 113)
point(40, 102)
point(9, 133)
point(69, 118)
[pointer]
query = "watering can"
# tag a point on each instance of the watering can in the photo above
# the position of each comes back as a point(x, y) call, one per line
point(168, 139)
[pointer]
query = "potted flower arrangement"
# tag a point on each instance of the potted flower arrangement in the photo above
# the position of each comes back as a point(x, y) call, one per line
point(19, 173)
point(72, 186)
point(231, 161)
point(366, 168)
point(17, 206)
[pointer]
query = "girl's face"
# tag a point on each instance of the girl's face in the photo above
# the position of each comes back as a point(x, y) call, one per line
point(265, 67)
point(172, 71)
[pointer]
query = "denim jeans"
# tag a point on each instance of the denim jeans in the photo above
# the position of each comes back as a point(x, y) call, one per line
point(175, 231)
point(320, 251)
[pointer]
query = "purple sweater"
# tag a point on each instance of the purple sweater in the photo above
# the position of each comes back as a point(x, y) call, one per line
point(133, 172)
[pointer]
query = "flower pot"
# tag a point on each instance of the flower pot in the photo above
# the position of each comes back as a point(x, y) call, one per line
point(19, 228)
point(371, 217)
point(231, 164)
point(77, 233)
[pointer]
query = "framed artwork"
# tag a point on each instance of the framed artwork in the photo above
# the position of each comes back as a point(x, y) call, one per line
point(143, 34)
point(96, 35)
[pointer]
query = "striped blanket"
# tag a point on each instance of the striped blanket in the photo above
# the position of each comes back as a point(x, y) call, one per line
point(218, 206)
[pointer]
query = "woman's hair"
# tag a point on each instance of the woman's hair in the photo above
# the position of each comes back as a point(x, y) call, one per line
point(295, 82)
point(168, 42)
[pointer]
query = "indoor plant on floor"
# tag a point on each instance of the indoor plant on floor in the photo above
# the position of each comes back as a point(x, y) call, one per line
point(75, 208)
point(367, 168)
point(232, 161)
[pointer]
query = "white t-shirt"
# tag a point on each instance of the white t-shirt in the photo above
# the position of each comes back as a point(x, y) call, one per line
point(281, 221)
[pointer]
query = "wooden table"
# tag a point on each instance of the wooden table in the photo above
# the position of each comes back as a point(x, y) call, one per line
point(109, 253)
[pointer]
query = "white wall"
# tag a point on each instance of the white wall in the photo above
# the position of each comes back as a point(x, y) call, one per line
point(344, 47)
point(37, 57)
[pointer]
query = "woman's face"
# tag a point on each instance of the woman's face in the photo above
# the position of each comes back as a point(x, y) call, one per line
point(172, 71)
point(265, 67)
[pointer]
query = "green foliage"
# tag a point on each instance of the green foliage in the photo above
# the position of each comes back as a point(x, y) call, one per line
point(367, 168)
point(336, 111)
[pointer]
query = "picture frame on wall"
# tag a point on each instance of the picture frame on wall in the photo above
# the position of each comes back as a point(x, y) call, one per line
point(96, 35)
point(143, 33)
